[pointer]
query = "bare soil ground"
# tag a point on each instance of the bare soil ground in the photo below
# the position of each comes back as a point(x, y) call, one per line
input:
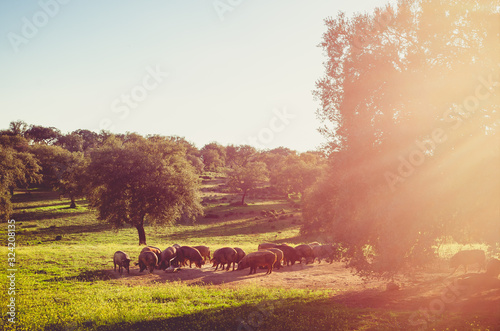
point(429, 292)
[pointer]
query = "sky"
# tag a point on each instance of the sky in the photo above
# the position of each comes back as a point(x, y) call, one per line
point(229, 71)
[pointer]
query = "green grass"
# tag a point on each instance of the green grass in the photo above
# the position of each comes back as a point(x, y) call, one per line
point(112, 305)
point(64, 284)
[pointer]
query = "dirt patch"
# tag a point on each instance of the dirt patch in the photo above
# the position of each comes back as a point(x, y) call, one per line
point(312, 276)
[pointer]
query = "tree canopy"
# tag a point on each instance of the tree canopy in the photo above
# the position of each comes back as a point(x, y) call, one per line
point(296, 173)
point(139, 180)
point(213, 156)
point(247, 177)
point(17, 169)
point(410, 107)
point(41, 134)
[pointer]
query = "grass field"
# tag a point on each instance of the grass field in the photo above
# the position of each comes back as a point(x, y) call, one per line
point(68, 284)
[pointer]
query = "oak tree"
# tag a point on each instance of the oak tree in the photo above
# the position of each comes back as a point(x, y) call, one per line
point(17, 170)
point(142, 180)
point(247, 177)
point(409, 106)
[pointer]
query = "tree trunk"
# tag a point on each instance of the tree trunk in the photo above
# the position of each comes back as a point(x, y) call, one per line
point(73, 203)
point(243, 198)
point(142, 233)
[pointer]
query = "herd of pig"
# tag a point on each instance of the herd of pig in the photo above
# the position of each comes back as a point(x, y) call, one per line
point(269, 256)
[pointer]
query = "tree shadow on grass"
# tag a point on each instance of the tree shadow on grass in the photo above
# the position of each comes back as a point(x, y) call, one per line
point(50, 233)
point(51, 198)
point(23, 196)
point(62, 203)
point(189, 276)
point(233, 229)
point(204, 276)
point(228, 212)
point(368, 309)
point(289, 314)
point(285, 314)
point(45, 215)
point(85, 276)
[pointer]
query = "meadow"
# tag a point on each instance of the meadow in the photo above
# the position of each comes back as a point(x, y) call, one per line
point(65, 278)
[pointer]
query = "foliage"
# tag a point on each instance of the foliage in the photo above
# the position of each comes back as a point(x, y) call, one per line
point(54, 161)
point(213, 156)
point(18, 128)
point(196, 162)
point(192, 153)
point(17, 169)
point(72, 142)
point(41, 134)
point(237, 156)
point(408, 108)
point(247, 177)
point(74, 179)
point(90, 139)
point(296, 173)
point(142, 179)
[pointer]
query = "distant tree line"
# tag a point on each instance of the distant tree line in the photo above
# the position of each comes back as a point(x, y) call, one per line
point(132, 179)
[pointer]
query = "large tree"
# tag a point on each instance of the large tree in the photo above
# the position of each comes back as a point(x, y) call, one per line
point(192, 153)
point(90, 138)
point(72, 142)
point(410, 107)
point(18, 128)
point(238, 156)
point(62, 170)
point(213, 156)
point(296, 173)
point(139, 180)
point(74, 178)
point(42, 134)
point(274, 159)
point(17, 169)
point(247, 177)
point(20, 167)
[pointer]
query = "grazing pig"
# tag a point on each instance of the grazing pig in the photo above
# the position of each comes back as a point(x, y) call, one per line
point(122, 260)
point(147, 259)
point(240, 254)
point(324, 252)
point(166, 257)
point(333, 251)
point(153, 249)
point(175, 262)
point(279, 257)
point(289, 254)
point(224, 255)
point(267, 245)
point(318, 252)
point(204, 251)
point(306, 252)
point(191, 254)
point(263, 258)
point(468, 257)
point(493, 268)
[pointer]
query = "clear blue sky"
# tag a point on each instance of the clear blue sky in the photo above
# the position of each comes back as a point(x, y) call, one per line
point(219, 79)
